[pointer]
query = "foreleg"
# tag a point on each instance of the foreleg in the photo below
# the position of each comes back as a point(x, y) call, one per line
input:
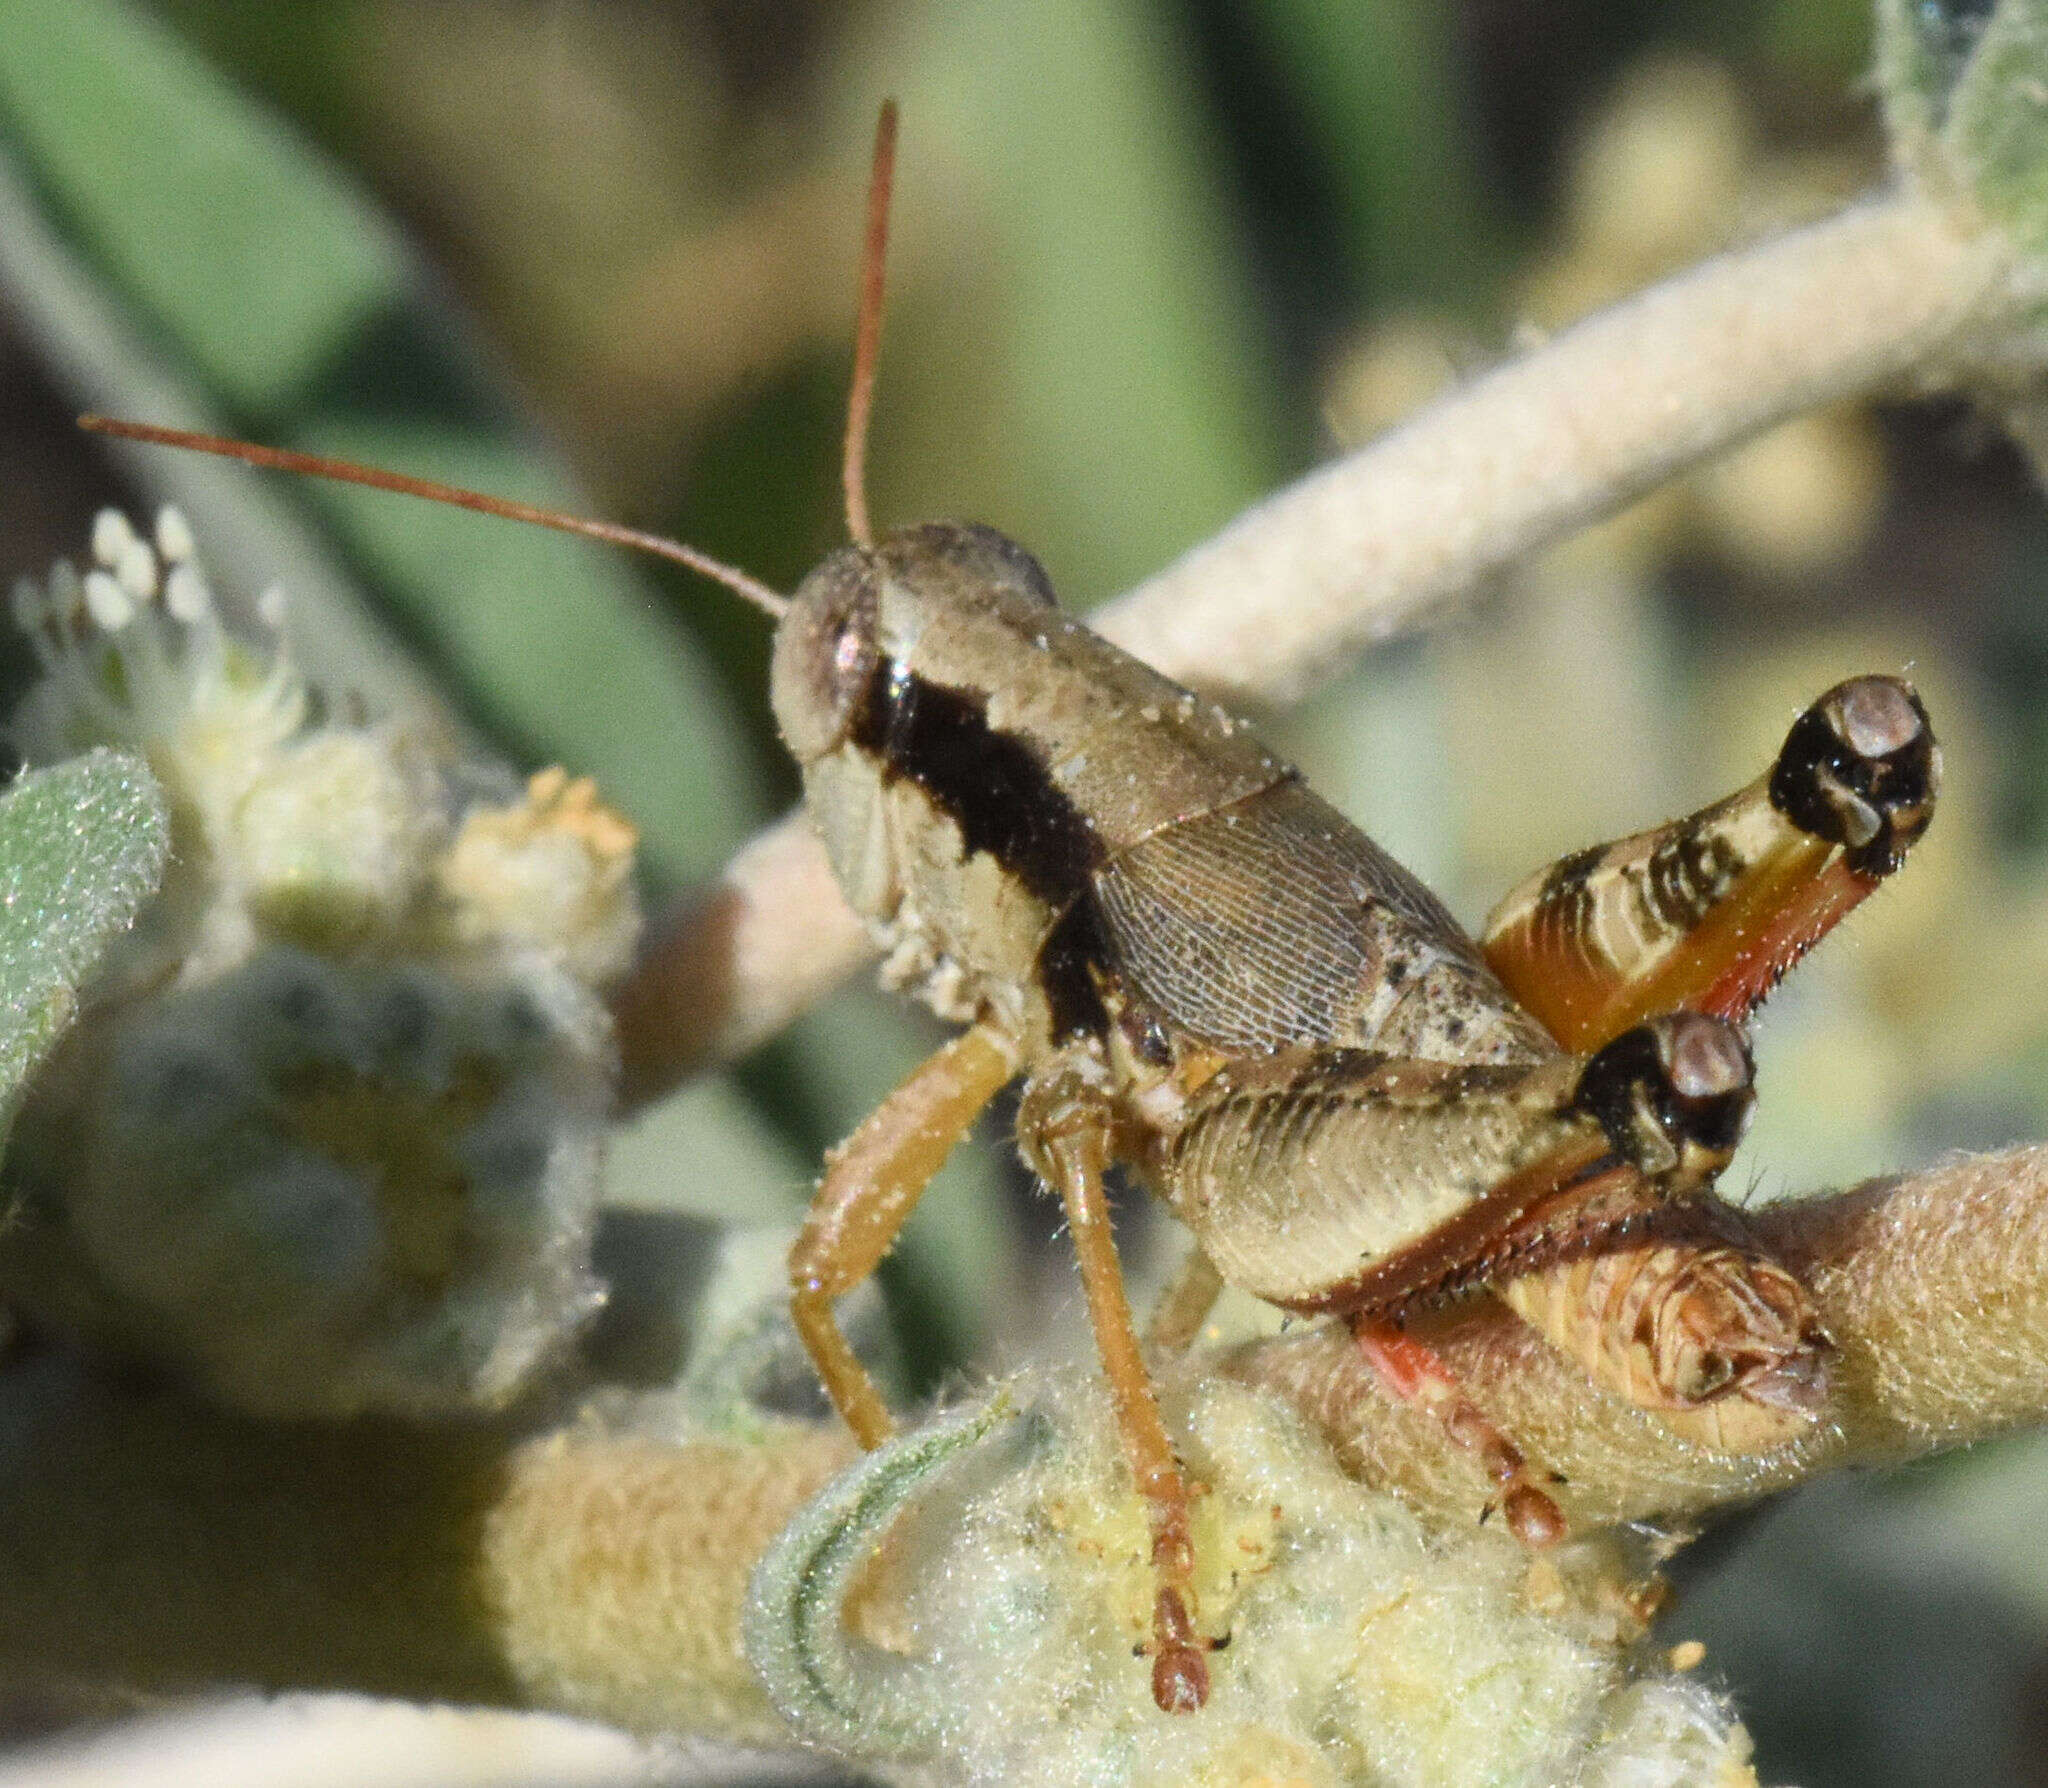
point(872, 1182)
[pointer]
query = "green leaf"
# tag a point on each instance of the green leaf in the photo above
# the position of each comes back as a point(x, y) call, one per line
point(1965, 86)
point(1923, 47)
point(81, 847)
point(1115, 344)
point(255, 257)
point(1377, 84)
point(1998, 120)
point(831, 1689)
point(1819, 43)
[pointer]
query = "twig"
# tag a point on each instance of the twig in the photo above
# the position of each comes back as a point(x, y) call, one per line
point(1372, 543)
point(1934, 1287)
point(1570, 431)
point(602, 1573)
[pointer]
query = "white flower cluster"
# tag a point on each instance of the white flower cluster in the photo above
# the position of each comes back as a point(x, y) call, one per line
point(966, 1605)
point(327, 1136)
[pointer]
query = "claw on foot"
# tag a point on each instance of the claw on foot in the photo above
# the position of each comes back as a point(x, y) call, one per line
point(1412, 1371)
point(1180, 1673)
point(1533, 1518)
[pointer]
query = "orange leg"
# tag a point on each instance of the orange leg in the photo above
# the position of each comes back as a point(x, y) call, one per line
point(1414, 1373)
point(1064, 1128)
point(1707, 913)
point(871, 1184)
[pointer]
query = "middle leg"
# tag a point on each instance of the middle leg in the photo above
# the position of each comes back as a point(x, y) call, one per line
point(1064, 1127)
point(1184, 1305)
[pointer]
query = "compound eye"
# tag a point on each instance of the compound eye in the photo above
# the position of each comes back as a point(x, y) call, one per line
point(1709, 1083)
point(1705, 1059)
point(826, 654)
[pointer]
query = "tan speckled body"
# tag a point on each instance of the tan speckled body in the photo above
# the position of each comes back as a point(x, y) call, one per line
point(1306, 1057)
point(1207, 974)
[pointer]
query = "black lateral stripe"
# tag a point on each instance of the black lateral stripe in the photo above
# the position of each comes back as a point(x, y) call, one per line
point(1568, 874)
point(1070, 961)
point(1564, 903)
point(990, 784)
point(995, 788)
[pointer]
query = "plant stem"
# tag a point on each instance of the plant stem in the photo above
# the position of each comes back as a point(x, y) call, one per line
point(602, 1572)
point(1931, 1286)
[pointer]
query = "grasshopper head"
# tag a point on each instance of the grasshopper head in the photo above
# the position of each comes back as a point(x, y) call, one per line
point(862, 611)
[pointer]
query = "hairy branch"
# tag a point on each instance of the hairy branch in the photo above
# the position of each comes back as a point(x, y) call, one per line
point(155, 1545)
point(1357, 551)
point(1934, 1287)
point(603, 1572)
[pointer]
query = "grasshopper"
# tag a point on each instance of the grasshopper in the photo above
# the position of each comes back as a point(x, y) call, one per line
point(1205, 974)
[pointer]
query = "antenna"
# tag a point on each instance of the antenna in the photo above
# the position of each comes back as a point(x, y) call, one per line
point(342, 471)
point(860, 404)
point(867, 344)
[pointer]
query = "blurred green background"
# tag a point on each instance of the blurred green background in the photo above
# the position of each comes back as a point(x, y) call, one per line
point(1152, 258)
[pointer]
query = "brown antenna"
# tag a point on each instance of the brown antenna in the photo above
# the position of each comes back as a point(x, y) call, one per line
point(313, 465)
point(867, 341)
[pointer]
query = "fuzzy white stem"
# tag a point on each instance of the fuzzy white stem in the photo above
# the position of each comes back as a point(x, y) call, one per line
point(738, 961)
point(1571, 431)
point(1934, 1288)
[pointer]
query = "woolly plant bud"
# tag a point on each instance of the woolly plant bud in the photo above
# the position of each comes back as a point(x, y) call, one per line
point(555, 869)
point(967, 1602)
point(328, 1135)
point(333, 841)
point(326, 1186)
point(1965, 90)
